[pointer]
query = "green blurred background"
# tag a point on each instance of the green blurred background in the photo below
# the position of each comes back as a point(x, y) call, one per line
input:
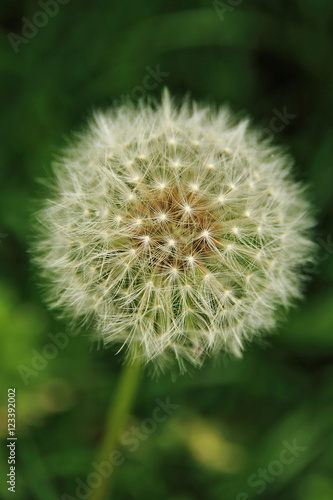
point(234, 418)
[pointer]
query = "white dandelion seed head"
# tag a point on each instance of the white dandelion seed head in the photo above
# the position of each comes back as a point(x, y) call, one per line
point(164, 226)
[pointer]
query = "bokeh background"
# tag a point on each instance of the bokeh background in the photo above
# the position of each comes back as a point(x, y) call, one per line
point(273, 60)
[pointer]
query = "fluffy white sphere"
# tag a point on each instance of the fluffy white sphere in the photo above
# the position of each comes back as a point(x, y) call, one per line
point(178, 231)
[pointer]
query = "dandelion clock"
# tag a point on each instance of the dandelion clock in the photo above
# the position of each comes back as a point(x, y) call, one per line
point(178, 232)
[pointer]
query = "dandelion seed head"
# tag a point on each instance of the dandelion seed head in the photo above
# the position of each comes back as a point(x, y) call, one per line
point(196, 255)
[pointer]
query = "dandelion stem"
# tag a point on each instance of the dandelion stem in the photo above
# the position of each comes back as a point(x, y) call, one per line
point(116, 421)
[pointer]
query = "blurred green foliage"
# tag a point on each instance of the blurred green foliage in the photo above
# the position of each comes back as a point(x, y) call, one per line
point(234, 417)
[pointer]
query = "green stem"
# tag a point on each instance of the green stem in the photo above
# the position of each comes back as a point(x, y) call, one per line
point(116, 421)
